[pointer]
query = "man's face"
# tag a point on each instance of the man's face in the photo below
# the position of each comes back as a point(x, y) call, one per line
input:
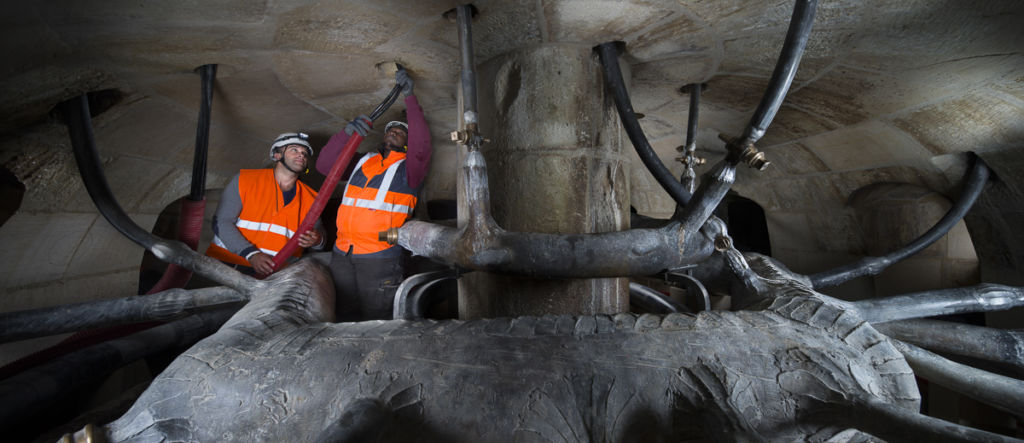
point(395, 137)
point(296, 157)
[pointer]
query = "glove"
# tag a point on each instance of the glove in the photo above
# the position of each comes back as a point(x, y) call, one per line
point(360, 125)
point(402, 78)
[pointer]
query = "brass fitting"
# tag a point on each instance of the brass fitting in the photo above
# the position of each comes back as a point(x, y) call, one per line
point(390, 236)
point(468, 137)
point(460, 137)
point(754, 158)
point(722, 243)
point(697, 161)
point(744, 151)
point(87, 434)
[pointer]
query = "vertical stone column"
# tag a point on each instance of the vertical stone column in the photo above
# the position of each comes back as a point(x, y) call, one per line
point(555, 165)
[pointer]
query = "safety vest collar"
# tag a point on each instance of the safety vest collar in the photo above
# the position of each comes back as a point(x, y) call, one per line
point(379, 201)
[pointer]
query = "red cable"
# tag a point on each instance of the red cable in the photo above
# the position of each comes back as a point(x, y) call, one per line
point(321, 199)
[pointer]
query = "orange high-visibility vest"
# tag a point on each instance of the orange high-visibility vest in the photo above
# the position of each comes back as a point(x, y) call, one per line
point(377, 198)
point(264, 219)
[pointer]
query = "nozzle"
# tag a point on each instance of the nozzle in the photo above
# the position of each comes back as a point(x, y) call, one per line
point(390, 236)
point(389, 68)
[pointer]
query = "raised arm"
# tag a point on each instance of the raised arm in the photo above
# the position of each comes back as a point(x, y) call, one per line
point(417, 159)
point(331, 151)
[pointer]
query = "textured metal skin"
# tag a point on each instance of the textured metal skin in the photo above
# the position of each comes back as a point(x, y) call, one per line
point(277, 372)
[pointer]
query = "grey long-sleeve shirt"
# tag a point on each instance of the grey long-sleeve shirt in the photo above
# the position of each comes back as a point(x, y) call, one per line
point(227, 215)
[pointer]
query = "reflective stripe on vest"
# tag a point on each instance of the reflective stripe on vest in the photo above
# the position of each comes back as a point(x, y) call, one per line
point(266, 227)
point(264, 220)
point(217, 241)
point(378, 202)
point(377, 198)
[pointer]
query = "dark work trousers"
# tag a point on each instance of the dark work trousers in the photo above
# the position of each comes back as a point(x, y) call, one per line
point(364, 287)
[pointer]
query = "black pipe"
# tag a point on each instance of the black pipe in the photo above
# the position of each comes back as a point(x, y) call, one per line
point(713, 187)
point(653, 301)
point(365, 419)
point(999, 391)
point(429, 294)
point(76, 114)
point(978, 342)
point(163, 306)
point(691, 120)
point(890, 422)
point(981, 298)
point(30, 392)
point(785, 69)
point(468, 74)
point(873, 265)
point(693, 287)
point(208, 73)
point(388, 101)
point(609, 55)
point(410, 303)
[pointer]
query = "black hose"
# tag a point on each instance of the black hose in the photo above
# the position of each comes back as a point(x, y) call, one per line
point(691, 122)
point(465, 15)
point(1002, 346)
point(163, 306)
point(208, 74)
point(985, 297)
point(609, 55)
point(653, 301)
point(873, 265)
point(32, 392)
point(785, 69)
point(388, 101)
point(76, 114)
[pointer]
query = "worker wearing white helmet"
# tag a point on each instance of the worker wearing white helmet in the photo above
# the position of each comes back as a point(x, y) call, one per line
point(381, 194)
point(260, 209)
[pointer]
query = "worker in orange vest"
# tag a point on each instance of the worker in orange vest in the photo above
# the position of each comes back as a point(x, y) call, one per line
point(260, 209)
point(381, 194)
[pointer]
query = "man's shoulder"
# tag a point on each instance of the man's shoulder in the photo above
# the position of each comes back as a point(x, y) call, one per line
point(254, 173)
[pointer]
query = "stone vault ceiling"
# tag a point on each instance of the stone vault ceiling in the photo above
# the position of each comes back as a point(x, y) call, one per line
point(887, 90)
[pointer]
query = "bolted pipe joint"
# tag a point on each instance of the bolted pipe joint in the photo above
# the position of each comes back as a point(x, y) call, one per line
point(742, 150)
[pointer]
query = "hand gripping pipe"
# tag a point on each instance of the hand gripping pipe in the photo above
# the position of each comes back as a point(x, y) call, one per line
point(873, 265)
point(76, 111)
point(190, 220)
point(331, 181)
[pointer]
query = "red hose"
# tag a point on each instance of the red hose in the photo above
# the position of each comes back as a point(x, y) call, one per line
point(321, 199)
point(190, 226)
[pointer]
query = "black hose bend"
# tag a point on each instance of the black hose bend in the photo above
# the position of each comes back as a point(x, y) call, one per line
point(785, 69)
point(76, 114)
point(873, 265)
point(609, 55)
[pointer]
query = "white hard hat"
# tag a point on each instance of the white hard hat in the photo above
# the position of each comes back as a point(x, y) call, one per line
point(396, 123)
point(291, 138)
